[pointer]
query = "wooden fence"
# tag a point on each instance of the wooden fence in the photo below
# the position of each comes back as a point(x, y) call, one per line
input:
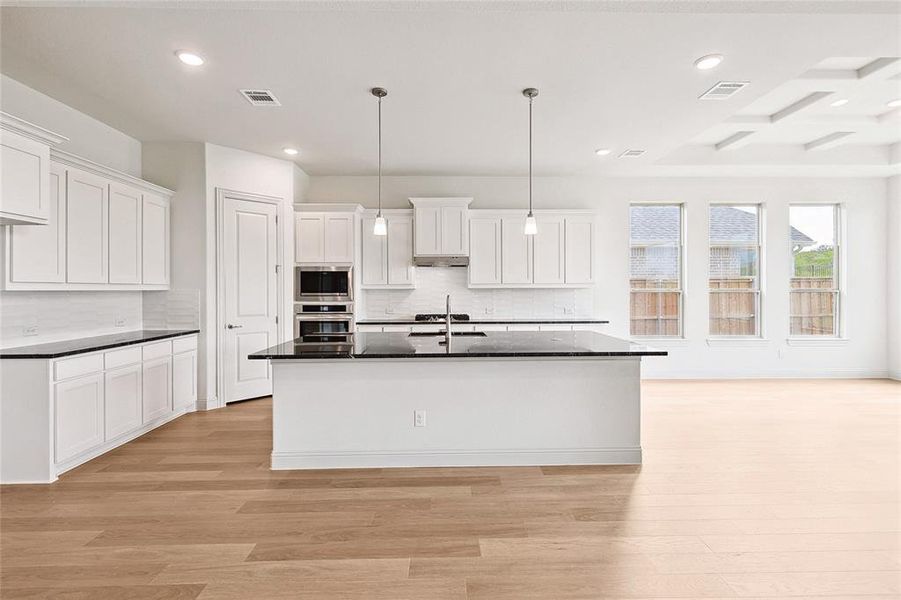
point(734, 310)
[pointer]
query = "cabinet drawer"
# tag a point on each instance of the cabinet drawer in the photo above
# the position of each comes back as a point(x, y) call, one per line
point(184, 344)
point(157, 350)
point(120, 358)
point(80, 365)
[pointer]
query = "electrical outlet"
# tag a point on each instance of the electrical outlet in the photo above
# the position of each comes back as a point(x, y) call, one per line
point(30, 330)
point(389, 310)
point(120, 322)
point(489, 310)
point(418, 418)
point(568, 310)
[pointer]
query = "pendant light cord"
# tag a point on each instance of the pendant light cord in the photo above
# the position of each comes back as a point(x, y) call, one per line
point(380, 157)
point(530, 156)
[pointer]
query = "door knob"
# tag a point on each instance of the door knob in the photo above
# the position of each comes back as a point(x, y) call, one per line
point(230, 326)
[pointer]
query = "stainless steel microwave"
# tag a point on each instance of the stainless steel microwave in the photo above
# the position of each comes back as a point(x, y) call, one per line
point(323, 284)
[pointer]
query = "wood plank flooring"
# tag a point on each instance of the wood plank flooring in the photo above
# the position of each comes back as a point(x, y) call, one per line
point(749, 489)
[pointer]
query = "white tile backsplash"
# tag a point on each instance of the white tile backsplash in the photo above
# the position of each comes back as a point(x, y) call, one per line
point(434, 283)
point(55, 316)
point(172, 309)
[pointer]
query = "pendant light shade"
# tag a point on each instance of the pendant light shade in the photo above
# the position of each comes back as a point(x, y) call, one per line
point(380, 227)
point(531, 227)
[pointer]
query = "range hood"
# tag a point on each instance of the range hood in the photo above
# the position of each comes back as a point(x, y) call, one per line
point(441, 261)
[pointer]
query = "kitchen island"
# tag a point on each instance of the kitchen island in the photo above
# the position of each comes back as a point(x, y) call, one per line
point(476, 399)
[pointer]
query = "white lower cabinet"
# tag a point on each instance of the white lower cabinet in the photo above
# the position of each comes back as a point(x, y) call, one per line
point(184, 379)
point(122, 390)
point(156, 388)
point(79, 415)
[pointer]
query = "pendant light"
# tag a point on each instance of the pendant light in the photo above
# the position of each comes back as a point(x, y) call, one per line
point(531, 227)
point(380, 227)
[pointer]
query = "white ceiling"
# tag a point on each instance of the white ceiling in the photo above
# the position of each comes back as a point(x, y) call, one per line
point(615, 75)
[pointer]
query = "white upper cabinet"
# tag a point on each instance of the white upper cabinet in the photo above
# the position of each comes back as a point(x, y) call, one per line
point(560, 254)
point(441, 226)
point(579, 261)
point(24, 171)
point(324, 237)
point(87, 221)
point(155, 240)
point(400, 250)
point(105, 230)
point(548, 249)
point(516, 251)
point(38, 254)
point(484, 250)
point(125, 233)
point(387, 260)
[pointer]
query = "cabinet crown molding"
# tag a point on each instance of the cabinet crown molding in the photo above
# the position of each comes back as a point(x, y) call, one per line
point(327, 207)
point(84, 164)
point(445, 201)
point(30, 130)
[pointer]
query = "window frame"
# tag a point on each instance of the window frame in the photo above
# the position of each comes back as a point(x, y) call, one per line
point(681, 287)
point(838, 275)
point(759, 291)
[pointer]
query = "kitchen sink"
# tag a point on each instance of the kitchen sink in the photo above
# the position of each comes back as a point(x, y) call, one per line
point(453, 333)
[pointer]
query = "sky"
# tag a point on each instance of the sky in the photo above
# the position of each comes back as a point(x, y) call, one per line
point(814, 221)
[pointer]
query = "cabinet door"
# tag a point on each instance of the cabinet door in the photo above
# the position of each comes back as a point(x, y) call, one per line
point(454, 230)
point(549, 250)
point(24, 189)
point(184, 379)
point(516, 251)
point(125, 233)
point(400, 250)
point(87, 234)
point(485, 251)
point(38, 254)
point(156, 388)
point(374, 250)
point(309, 238)
point(78, 416)
point(338, 238)
point(427, 231)
point(579, 254)
point(122, 393)
point(155, 240)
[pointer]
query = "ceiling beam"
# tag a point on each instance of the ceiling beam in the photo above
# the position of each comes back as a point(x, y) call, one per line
point(798, 106)
point(736, 140)
point(836, 138)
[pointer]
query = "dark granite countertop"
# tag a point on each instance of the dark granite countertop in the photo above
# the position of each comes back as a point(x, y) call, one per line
point(92, 344)
point(525, 344)
point(548, 321)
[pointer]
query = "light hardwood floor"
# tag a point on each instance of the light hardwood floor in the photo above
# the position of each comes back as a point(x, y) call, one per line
point(749, 489)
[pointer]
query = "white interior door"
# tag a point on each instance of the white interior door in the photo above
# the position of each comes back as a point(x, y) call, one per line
point(249, 259)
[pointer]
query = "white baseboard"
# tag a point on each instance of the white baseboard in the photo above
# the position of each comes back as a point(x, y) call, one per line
point(209, 403)
point(768, 374)
point(455, 458)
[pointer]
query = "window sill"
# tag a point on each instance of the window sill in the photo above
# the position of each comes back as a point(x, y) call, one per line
point(660, 341)
point(814, 342)
point(737, 342)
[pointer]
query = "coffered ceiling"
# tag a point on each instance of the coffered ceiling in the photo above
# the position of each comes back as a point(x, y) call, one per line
point(611, 75)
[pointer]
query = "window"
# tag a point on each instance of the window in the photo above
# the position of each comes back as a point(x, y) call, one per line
point(814, 284)
point(734, 278)
point(655, 270)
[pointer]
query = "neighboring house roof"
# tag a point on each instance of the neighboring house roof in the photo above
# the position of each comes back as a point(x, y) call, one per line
point(659, 223)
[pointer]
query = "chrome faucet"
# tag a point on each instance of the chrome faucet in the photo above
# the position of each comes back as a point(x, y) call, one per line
point(448, 333)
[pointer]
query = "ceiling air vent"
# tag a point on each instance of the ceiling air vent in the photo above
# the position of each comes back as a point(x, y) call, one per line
point(724, 90)
point(260, 97)
point(631, 154)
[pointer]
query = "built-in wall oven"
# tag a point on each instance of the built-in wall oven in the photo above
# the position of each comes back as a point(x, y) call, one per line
point(323, 284)
point(322, 319)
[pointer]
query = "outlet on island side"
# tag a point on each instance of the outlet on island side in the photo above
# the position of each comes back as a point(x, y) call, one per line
point(120, 322)
point(418, 418)
point(30, 330)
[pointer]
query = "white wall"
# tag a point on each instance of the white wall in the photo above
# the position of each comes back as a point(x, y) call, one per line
point(66, 315)
point(88, 137)
point(865, 352)
point(893, 275)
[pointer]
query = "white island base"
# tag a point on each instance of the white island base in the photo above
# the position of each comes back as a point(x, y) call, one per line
point(477, 412)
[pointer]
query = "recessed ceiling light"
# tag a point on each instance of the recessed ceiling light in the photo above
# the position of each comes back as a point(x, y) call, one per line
point(894, 103)
point(291, 151)
point(189, 58)
point(840, 102)
point(708, 62)
point(603, 151)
